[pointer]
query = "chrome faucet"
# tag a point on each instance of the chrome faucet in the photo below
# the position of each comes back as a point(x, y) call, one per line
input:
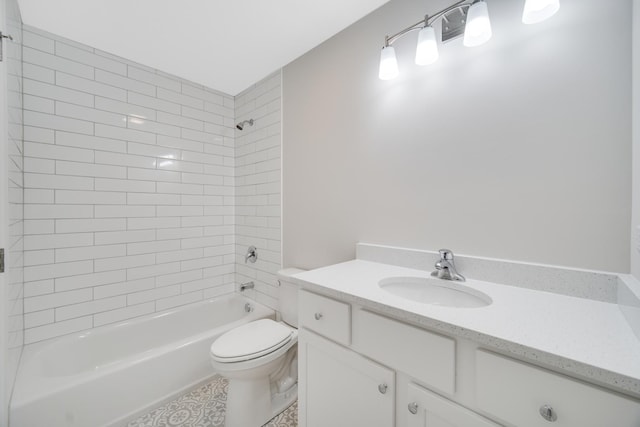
point(446, 269)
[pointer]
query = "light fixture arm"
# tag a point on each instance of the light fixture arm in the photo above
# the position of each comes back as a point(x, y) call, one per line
point(460, 4)
point(389, 40)
point(428, 20)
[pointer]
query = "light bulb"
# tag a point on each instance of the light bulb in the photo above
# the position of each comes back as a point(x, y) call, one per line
point(538, 10)
point(388, 64)
point(427, 50)
point(477, 30)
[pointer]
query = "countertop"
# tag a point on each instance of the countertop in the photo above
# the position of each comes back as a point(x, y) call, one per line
point(585, 338)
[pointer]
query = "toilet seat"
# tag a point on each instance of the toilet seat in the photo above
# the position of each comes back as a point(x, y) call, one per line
point(251, 341)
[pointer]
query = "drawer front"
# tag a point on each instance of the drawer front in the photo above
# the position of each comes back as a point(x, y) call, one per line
point(325, 316)
point(517, 392)
point(427, 409)
point(426, 356)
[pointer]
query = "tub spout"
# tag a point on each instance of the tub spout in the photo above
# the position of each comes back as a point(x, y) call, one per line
point(248, 285)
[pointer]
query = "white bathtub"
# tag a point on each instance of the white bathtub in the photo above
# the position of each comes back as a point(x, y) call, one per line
point(110, 374)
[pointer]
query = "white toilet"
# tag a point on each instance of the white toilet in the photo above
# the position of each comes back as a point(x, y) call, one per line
point(260, 361)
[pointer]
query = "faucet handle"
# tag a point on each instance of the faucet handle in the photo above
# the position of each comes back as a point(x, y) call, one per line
point(446, 254)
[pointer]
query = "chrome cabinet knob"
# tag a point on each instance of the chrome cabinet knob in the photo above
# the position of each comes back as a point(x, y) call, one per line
point(548, 413)
point(382, 388)
point(318, 316)
point(413, 407)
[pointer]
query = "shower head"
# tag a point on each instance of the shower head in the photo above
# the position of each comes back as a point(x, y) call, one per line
point(240, 125)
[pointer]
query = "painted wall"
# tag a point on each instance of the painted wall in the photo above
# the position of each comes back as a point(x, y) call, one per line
point(13, 293)
point(635, 215)
point(518, 149)
point(258, 185)
point(129, 177)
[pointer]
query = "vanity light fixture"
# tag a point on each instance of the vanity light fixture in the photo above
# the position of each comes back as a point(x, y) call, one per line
point(538, 10)
point(468, 18)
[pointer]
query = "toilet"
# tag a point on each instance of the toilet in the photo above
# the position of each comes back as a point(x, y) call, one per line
point(260, 360)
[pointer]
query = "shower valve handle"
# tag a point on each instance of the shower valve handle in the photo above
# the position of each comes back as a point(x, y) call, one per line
point(252, 254)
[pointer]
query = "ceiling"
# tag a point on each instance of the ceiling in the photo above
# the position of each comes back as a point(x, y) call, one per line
point(225, 45)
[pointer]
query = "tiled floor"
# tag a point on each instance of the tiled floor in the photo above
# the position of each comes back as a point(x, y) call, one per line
point(204, 407)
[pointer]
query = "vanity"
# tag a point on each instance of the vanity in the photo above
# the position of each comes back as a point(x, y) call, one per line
point(557, 348)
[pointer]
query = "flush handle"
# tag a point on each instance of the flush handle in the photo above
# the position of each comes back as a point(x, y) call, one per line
point(548, 413)
point(382, 388)
point(413, 407)
point(318, 316)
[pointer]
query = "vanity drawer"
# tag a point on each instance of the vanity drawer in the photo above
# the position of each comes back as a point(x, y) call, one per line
point(518, 393)
point(325, 316)
point(427, 409)
point(426, 356)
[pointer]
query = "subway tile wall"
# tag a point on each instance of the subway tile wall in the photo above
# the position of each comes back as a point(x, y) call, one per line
point(258, 180)
point(129, 189)
point(14, 291)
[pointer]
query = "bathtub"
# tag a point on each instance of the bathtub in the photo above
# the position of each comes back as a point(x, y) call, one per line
point(111, 374)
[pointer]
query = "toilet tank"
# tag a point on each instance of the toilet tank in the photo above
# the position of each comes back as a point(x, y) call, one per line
point(288, 298)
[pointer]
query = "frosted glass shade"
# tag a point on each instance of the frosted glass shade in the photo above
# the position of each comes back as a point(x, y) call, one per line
point(427, 50)
point(388, 64)
point(538, 10)
point(477, 30)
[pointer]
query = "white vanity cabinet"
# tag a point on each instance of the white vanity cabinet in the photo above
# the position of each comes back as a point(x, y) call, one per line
point(363, 369)
point(344, 387)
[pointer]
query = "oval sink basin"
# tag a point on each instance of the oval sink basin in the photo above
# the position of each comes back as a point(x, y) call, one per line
point(435, 291)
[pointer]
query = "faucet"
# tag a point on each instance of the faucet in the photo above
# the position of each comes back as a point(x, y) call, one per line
point(446, 269)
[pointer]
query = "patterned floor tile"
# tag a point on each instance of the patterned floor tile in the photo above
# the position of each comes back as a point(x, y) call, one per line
point(204, 407)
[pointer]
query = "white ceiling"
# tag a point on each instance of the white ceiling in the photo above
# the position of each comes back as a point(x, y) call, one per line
point(225, 45)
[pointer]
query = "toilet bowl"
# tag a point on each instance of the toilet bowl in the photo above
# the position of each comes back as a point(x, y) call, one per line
point(260, 361)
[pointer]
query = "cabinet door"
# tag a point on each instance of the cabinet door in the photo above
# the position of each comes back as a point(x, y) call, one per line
point(432, 410)
point(340, 388)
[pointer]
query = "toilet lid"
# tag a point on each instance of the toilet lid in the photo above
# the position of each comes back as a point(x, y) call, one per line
point(250, 341)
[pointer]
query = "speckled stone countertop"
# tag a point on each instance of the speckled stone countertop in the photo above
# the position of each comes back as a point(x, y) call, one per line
point(585, 338)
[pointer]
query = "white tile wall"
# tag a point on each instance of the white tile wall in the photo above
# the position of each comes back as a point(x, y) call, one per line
point(257, 172)
point(129, 188)
point(14, 291)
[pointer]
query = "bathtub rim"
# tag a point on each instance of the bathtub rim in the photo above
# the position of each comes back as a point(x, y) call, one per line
point(31, 386)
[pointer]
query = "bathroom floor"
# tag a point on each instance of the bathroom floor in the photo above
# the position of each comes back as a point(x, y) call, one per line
point(204, 407)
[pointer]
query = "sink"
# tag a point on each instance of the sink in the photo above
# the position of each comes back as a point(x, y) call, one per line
point(428, 290)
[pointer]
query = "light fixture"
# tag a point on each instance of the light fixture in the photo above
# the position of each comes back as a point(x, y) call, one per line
point(468, 18)
point(477, 30)
point(538, 10)
point(427, 50)
point(388, 63)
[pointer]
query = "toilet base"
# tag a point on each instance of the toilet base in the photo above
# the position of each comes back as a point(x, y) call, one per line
point(250, 403)
point(282, 401)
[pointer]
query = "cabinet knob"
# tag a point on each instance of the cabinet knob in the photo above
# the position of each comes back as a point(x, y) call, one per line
point(318, 316)
point(382, 388)
point(413, 407)
point(548, 413)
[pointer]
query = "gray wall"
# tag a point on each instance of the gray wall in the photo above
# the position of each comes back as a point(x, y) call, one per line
point(635, 214)
point(518, 149)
